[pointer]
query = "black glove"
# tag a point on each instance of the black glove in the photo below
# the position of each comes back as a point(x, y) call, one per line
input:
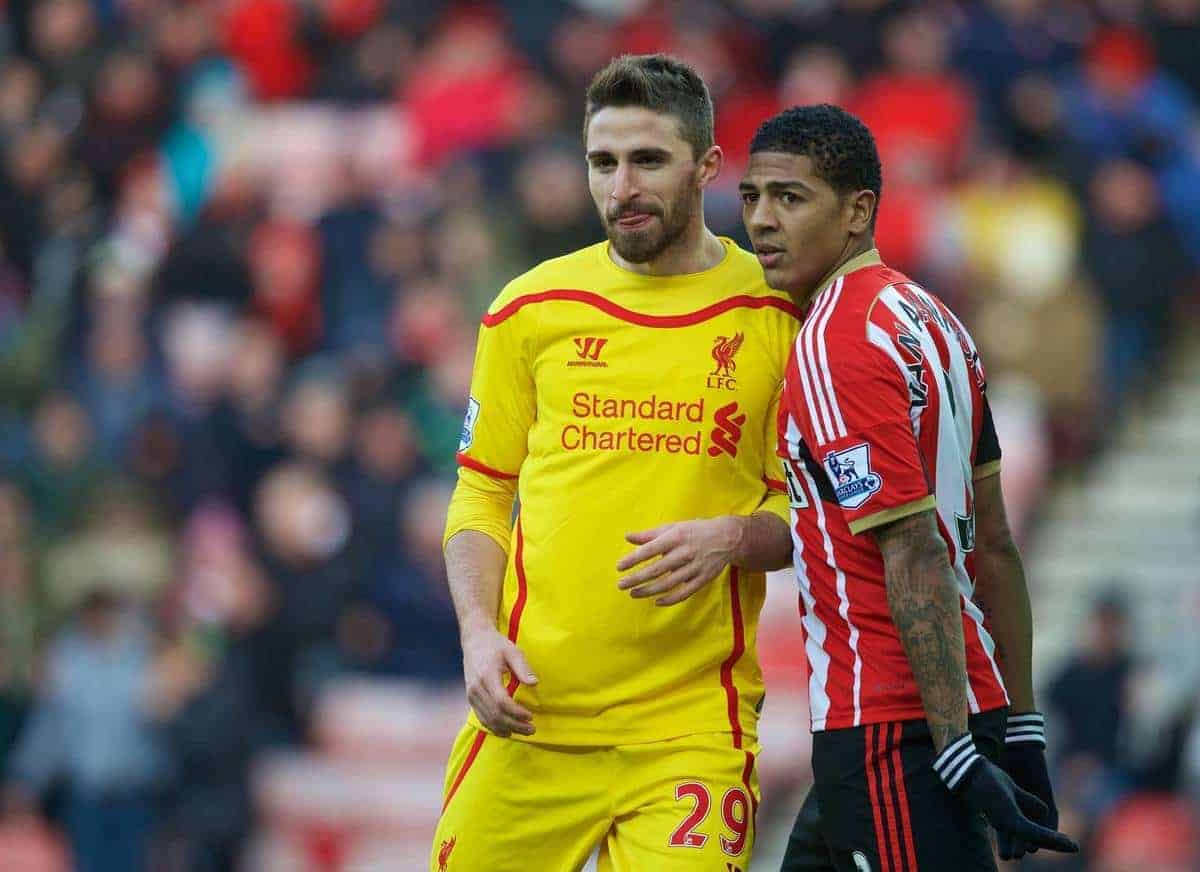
point(1017, 817)
point(1024, 759)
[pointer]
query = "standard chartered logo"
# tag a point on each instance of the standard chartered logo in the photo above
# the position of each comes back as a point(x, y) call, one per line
point(644, 424)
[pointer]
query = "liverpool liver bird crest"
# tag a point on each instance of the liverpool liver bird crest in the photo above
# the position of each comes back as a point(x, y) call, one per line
point(724, 348)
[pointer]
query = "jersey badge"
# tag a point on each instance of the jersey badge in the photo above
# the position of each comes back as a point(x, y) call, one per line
point(850, 472)
point(723, 351)
point(467, 436)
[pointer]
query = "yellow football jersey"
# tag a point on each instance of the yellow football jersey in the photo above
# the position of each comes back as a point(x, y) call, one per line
point(618, 402)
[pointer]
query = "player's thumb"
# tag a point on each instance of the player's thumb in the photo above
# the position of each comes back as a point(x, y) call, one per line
point(1032, 807)
point(519, 666)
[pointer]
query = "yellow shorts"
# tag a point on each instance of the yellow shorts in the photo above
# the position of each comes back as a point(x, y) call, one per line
point(514, 806)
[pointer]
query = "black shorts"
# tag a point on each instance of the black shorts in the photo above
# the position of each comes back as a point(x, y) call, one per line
point(877, 805)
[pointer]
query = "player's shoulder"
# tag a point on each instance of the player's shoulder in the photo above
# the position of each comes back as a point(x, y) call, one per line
point(556, 273)
point(852, 301)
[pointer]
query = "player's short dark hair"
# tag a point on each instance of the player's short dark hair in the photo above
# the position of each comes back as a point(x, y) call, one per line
point(660, 83)
point(840, 146)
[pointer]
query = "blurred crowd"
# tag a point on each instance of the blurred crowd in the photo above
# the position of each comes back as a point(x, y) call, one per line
point(244, 246)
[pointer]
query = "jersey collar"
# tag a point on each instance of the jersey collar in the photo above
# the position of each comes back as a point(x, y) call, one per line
point(867, 258)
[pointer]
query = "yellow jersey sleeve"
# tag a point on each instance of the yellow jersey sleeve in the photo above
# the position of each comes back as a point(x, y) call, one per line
point(495, 433)
point(501, 407)
point(775, 500)
point(482, 503)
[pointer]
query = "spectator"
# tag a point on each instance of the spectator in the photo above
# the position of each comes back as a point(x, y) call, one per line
point(90, 727)
point(1140, 270)
point(314, 565)
point(21, 615)
point(920, 112)
point(387, 460)
point(1090, 700)
point(63, 466)
point(116, 384)
point(405, 624)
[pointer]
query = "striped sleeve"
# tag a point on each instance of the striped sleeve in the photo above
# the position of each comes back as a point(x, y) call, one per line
point(857, 420)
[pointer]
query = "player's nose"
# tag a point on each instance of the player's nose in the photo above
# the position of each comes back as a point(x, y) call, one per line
point(624, 185)
point(759, 218)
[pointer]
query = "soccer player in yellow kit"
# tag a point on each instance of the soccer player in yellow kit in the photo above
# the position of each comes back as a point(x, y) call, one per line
point(619, 388)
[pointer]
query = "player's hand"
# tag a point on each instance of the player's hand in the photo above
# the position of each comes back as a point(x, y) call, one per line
point(1024, 759)
point(1019, 818)
point(487, 655)
point(691, 554)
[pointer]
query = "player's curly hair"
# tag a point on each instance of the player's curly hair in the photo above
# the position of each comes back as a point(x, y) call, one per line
point(660, 83)
point(840, 146)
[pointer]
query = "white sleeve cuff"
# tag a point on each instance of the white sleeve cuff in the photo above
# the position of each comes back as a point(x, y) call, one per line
point(956, 760)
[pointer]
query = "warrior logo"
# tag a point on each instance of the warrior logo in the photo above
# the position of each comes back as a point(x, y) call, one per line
point(724, 349)
point(587, 350)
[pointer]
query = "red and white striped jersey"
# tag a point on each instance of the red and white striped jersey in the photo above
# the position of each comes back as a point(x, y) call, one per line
point(884, 414)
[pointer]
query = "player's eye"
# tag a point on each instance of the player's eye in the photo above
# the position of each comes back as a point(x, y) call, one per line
point(789, 198)
point(650, 161)
point(603, 164)
point(749, 197)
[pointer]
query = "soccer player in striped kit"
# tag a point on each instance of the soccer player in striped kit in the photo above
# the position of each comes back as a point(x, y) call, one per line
point(915, 609)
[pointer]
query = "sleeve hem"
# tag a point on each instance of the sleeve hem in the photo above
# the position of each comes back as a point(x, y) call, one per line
point(983, 470)
point(861, 525)
point(504, 542)
point(472, 463)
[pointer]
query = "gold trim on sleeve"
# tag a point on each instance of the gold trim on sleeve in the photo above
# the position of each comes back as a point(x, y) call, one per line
point(893, 514)
point(983, 470)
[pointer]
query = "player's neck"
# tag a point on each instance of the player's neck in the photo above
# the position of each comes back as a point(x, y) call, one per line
point(697, 249)
point(855, 247)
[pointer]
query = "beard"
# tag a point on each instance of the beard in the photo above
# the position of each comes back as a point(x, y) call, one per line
point(646, 244)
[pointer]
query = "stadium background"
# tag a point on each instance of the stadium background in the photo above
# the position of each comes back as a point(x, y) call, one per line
point(244, 245)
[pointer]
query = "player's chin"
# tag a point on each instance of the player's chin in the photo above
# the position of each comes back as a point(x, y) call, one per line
point(636, 246)
point(779, 275)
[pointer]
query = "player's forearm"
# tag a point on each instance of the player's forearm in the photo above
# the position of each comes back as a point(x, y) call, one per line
point(475, 572)
point(764, 544)
point(924, 602)
point(1002, 593)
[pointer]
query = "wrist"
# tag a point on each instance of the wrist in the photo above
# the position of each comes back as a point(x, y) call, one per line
point(956, 760)
point(736, 527)
point(475, 624)
point(1026, 730)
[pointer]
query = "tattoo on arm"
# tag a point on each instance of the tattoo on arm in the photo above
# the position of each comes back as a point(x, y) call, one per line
point(924, 601)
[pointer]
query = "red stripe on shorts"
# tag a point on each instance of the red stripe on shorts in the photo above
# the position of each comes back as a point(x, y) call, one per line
point(480, 735)
point(910, 852)
point(885, 791)
point(873, 794)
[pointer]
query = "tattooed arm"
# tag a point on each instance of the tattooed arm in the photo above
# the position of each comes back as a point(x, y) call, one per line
point(1002, 593)
point(923, 597)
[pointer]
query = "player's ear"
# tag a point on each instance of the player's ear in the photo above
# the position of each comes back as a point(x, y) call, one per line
point(710, 164)
point(861, 207)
